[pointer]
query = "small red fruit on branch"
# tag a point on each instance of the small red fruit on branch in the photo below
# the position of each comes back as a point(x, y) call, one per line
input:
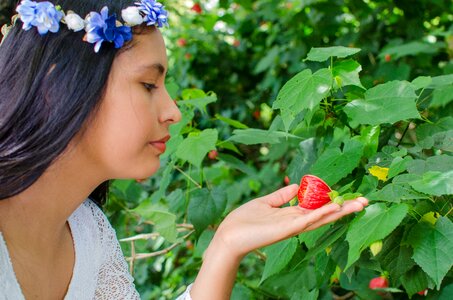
point(423, 293)
point(197, 8)
point(286, 180)
point(182, 42)
point(212, 154)
point(380, 282)
point(388, 57)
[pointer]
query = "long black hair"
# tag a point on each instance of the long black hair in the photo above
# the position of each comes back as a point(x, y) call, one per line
point(50, 86)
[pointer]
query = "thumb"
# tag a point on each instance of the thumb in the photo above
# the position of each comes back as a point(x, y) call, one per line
point(281, 196)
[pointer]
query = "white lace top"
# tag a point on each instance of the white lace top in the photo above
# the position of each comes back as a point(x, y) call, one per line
point(100, 270)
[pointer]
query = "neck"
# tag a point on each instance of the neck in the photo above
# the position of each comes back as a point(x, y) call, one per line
point(37, 217)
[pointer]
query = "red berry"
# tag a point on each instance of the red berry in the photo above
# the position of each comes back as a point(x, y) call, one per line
point(423, 293)
point(212, 154)
point(313, 192)
point(188, 56)
point(257, 114)
point(182, 42)
point(286, 180)
point(197, 8)
point(388, 57)
point(236, 43)
point(380, 282)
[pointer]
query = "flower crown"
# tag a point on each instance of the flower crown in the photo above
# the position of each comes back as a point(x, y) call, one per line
point(99, 27)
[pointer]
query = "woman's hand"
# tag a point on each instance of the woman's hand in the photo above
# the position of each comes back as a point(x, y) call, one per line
point(262, 222)
point(258, 223)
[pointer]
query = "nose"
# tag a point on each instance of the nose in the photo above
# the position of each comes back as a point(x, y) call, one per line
point(170, 113)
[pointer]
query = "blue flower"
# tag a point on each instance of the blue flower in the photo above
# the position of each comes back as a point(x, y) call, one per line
point(42, 15)
point(102, 27)
point(154, 12)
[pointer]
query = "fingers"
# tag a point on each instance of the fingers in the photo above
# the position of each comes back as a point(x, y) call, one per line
point(281, 196)
point(347, 208)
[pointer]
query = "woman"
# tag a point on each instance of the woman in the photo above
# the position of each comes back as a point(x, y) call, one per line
point(83, 101)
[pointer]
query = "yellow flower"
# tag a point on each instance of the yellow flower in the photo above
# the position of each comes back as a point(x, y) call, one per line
point(379, 172)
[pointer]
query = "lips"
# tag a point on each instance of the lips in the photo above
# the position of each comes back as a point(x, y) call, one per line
point(160, 144)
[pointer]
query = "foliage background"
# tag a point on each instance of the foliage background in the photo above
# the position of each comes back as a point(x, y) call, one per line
point(228, 63)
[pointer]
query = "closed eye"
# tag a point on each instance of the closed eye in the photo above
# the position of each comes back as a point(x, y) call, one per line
point(149, 86)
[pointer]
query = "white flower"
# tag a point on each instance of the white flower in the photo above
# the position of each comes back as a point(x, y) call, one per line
point(131, 15)
point(74, 21)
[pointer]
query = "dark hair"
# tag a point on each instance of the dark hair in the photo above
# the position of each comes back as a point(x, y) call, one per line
point(50, 86)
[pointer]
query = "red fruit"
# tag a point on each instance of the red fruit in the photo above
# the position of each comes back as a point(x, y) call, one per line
point(286, 180)
point(313, 192)
point(380, 282)
point(388, 57)
point(257, 114)
point(212, 154)
point(188, 56)
point(182, 42)
point(423, 293)
point(236, 43)
point(197, 8)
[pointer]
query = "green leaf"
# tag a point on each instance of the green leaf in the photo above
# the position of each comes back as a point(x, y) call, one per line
point(411, 48)
point(446, 293)
point(435, 183)
point(442, 96)
point(385, 103)
point(267, 61)
point(278, 256)
point(332, 235)
point(303, 293)
point(195, 147)
point(234, 123)
point(398, 165)
point(414, 281)
point(310, 237)
point(432, 247)
point(396, 192)
point(421, 82)
point(441, 81)
point(254, 136)
point(369, 135)
point(379, 221)
point(334, 163)
point(348, 71)
point(322, 54)
point(164, 221)
point(237, 164)
point(395, 257)
point(438, 163)
point(303, 91)
point(206, 207)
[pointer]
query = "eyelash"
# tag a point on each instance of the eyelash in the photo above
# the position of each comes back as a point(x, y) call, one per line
point(149, 86)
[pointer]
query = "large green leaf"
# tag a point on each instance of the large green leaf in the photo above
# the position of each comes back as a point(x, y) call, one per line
point(303, 91)
point(334, 163)
point(375, 223)
point(435, 183)
point(322, 54)
point(395, 257)
point(348, 72)
point(446, 293)
point(206, 207)
point(252, 136)
point(414, 281)
point(396, 192)
point(278, 256)
point(195, 147)
point(441, 81)
point(411, 48)
point(385, 103)
point(442, 96)
point(433, 247)
point(164, 221)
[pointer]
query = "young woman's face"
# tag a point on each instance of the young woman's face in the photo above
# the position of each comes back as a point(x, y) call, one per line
point(131, 127)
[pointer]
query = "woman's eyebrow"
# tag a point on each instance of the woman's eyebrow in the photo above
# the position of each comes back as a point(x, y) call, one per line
point(154, 67)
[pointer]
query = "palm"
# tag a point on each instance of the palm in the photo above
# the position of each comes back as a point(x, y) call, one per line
point(262, 221)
